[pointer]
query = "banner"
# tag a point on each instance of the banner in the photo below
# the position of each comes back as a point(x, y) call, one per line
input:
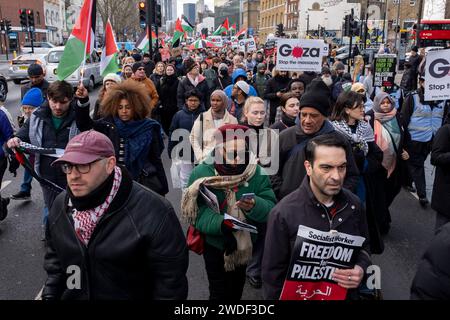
point(217, 40)
point(300, 54)
point(316, 255)
point(384, 71)
point(437, 75)
point(247, 45)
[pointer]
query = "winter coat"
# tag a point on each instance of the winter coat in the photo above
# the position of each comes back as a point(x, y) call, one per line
point(47, 137)
point(239, 73)
point(150, 86)
point(302, 208)
point(291, 170)
point(43, 86)
point(209, 222)
point(440, 157)
point(432, 280)
point(183, 119)
point(224, 82)
point(6, 131)
point(137, 250)
point(260, 83)
point(167, 91)
point(149, 67)
point(275, 85)
point(202, 134)
point(155, 78)
point(108, 128)
point(186, 85)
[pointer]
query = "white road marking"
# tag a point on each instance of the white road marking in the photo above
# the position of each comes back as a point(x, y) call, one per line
point(5, 184)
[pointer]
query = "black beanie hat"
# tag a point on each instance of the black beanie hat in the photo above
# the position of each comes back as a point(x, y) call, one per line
point(136, 66)
point(317, 96)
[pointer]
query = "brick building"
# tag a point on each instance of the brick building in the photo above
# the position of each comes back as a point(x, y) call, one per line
point(272, 13)
point(10, 10)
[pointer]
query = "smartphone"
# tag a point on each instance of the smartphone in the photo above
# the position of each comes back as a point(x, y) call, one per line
point(247, 196)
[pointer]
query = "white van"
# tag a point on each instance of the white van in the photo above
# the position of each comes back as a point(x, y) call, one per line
point(91, 72)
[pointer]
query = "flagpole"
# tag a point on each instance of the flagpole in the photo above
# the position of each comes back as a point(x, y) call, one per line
point(83, 64)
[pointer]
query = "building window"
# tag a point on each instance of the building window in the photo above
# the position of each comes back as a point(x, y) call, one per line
point(38, 18)
point(316, 6)
point(412, 3)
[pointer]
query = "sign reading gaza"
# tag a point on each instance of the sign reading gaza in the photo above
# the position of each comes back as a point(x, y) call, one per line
point(300, 54)
point(384, 71)
point(315, 257)
point(437, 75)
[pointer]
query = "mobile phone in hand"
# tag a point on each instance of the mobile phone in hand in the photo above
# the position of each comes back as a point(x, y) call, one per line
point(247, 196)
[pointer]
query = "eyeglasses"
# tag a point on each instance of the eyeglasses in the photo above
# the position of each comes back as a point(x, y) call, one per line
point(141, 69)
point(81, 168)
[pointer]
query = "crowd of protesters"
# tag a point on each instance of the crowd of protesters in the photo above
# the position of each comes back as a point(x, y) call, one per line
point(278, 149)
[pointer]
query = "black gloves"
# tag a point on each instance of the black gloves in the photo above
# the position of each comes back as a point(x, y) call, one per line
point(229, 241)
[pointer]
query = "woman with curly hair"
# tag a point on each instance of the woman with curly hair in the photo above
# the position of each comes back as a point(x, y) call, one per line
point(137, 139)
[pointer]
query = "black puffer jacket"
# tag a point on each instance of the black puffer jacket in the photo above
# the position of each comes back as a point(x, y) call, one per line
point(186, 85)
point(137, 250)
point(432, 280)
point(302, 208)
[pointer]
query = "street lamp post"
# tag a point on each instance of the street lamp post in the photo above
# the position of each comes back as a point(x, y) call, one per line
point(398, 23)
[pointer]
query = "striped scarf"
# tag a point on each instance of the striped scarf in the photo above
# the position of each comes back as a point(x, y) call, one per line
point(86, 220)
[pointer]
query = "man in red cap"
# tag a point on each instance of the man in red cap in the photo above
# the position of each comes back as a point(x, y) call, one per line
point(109, 237)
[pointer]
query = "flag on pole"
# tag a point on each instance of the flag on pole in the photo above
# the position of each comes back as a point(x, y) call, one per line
point(233, 27)
point(81, 41)
point(178, 34)
point(142, 43)
point(186, 25)
point(241, 32)
point(223, 28)
point(108, 62)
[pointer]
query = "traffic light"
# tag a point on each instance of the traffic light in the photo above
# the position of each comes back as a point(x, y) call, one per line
point(158, 20)
point(8, 26)
point(346, 31)
point(354, 27)
point(279, 31)
point(23, 18)
point(142, 15)
point(30, 17)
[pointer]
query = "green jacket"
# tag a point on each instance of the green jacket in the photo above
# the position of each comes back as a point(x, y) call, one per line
point(209, 222)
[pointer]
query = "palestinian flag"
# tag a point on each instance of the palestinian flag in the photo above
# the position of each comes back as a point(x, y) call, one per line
point(108, 62)
point(178, 34)
point(143, 44)
point(201, 44)
point(186, 25)
point(233, 27)
point(81, 41)
point(241, 32)
point(223, 28)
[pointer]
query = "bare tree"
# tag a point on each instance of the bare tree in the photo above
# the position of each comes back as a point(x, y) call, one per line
point(122, 14)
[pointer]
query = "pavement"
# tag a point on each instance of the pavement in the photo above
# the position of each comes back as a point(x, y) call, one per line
point(22, 251)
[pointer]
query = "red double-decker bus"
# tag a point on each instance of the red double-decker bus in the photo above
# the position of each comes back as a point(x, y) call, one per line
point(434, 33)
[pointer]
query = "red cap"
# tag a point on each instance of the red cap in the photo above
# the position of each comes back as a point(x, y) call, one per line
point(231, 132)
point(87, 147)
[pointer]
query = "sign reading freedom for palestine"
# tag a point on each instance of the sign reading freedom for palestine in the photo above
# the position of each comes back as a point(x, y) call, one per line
point(300, 54)
point(384, 71)
point(316, 255)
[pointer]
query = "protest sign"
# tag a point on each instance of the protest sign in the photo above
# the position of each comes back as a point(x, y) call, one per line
point(437, 75)
point(316, 255)
point(384, 71)
point(300, 54)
